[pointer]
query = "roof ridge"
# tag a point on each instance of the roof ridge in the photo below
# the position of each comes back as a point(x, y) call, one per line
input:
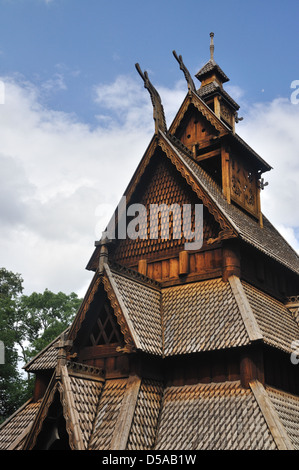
point(42, 351)
point(72, 415)
point(251, 325)
point(271, 416)
point(180, 144)
point(133, 274)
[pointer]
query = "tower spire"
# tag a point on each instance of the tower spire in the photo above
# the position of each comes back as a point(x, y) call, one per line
point(212, 46)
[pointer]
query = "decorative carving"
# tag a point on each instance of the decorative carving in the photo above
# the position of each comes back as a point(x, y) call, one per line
point(127, 349)
point(85, 306)
point(191, 86)
point(158, 111)
point(293, 306)
point(223, 235)
point(76, 367)
point(133, 274)
point(225, 113)
point(243, 186)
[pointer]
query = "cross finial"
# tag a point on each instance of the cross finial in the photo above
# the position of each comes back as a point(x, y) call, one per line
point(212, 46)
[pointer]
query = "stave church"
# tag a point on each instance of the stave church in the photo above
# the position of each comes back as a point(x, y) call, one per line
point(176, 348)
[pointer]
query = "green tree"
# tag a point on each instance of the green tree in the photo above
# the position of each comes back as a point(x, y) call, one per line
point(12, 386)
point(28, 323)
point(41, 318)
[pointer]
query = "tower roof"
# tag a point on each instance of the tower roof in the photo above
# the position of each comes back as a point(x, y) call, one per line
point(211, 67)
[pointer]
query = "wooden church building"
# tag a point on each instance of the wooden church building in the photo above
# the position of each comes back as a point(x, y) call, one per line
point(175, 348)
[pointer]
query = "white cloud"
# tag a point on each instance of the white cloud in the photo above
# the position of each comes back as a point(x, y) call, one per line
point(56, 172)
point(272, 130)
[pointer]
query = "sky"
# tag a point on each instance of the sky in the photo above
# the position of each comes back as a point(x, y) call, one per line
point(75, 119)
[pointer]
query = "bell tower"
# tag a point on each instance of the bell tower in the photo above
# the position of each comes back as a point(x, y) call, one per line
point(212, 92)
point(215, 145)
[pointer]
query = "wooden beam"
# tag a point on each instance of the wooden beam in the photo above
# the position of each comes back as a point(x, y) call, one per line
point(71, 412)
point(217, 106)
point(245, 309)
point(203, 156)
point(225, 174)
point(270, 414)
point(126, 413)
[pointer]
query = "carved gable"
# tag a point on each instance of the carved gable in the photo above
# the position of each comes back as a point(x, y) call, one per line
point(162, 184)
point(99, 327)
point(195, 130)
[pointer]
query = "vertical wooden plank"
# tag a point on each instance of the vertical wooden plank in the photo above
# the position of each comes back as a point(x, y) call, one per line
point(199, 261)
point(225, 173)
point(142, 267)
point(157, 274)
point(217, 106)
point(252, 366)
point(192, 265)
point(165, 269)
point(150, 270)
point(173, 267)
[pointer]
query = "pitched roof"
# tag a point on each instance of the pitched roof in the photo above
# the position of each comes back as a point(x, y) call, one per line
point(212, 88)
point(200, 316)
point(199, 417)
point(276, 322)
point(78, 387)
point(45, 359)
point(210, 66)
point(220, 415)
point(15, 429)
point(142, 302)
point(287, 408)
point(107, 414)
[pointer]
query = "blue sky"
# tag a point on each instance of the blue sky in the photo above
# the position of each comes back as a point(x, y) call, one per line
point(94, 41)
point(76, 115)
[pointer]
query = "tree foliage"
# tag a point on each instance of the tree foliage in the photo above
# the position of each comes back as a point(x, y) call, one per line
point(28, 323)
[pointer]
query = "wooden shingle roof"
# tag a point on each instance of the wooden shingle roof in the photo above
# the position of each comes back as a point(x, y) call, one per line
point(201, 316)
point(199, 417)
point(209, 416)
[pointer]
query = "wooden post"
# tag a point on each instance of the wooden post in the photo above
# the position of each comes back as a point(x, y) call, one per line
point(231, 259)
point(252, 366)
point(258, 195)
point(183, 263)
point(225, 173)
point(217, 106)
